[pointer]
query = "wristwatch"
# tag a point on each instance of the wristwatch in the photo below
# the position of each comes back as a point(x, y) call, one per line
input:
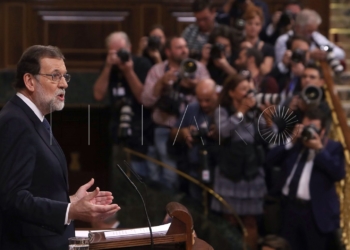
point(239, 115)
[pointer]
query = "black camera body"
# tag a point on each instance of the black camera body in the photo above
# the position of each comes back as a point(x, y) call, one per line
point(298, 56)
point(285, 19)
point(216, 51)
point(153, 43)
point(124, 55)
point(309, 132)
point(239, 24)
point(199, 135)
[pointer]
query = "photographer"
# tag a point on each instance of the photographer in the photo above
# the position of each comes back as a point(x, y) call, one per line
point(196, 35)
point(122, 80)
point(254, 20)
point(239, 177)
point(152, 46)
point(306, 24)
point(288, 72)
point(163, 80)
point(311, 165)
point(251, 60)
point(311, 94)
point(218, 55)
point(282, 21)
point(196, 128)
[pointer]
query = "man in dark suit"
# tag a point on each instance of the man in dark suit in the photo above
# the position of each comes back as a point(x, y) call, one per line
point(311, 165)
point(36, 209)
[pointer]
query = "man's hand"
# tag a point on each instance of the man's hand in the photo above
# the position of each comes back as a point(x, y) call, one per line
point(297, 68)
point(87, 210)
point(103, 198)
point(298, 129)
point(286, 60)
point(169, 77)
point(189, 83)
point(318, 55)
point(186, 133)
point(314, 143)
point(125, 67)
point(112, 58)
point(155, 55)
point(143, 44)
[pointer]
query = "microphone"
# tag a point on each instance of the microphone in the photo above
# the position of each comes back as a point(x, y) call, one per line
point(143, 202)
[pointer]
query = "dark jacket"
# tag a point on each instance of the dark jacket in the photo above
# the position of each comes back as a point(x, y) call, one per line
point(33, 183)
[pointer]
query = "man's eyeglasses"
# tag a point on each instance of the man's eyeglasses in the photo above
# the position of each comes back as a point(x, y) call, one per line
point(56, 77)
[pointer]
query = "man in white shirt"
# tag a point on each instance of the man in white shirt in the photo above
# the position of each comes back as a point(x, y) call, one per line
point(311, 164)
point(306, 24)
point(36, 209)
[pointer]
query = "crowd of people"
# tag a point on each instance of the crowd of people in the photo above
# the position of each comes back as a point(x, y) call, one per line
point(200, 102)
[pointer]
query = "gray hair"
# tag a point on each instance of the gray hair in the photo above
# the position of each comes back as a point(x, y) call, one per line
point(116, 36)
point(306, 17)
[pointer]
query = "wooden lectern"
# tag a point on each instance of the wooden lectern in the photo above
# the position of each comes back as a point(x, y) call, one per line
point(180, 235)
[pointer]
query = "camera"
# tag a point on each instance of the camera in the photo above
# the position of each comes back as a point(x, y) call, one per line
point(123, 55)
point(285, 19)
point(312, 95)
point(125, 119)
point(188, 68)
point(171, 101)
point(153, 43)
point(216, 51)
point(263, 98)
point(199, 135)
point(298, 56)
point(335, 64)
point(308, 132)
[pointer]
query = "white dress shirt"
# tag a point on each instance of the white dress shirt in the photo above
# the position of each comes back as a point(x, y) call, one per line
point(281, 46)
point(41, 117)
point(303, 191)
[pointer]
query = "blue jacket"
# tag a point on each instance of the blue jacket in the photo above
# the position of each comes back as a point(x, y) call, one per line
point(328, 168)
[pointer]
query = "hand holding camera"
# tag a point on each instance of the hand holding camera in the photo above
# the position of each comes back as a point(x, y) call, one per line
point(287, 58)
point(247, 103)
point(311, 138)
point(111, 58)
point(318, 55)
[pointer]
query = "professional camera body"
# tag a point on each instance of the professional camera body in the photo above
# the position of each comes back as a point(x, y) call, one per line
point(312, 96)
point(298, 56)
point(175, 96)
point(153, 43)
point(309, 132)
point(333, 62)
point(216, 51)
point(124, 55)
point(125, 119)
point(286, 19)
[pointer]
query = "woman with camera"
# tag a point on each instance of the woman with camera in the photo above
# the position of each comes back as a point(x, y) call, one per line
point(239, 177)
point(152, 46)
point(254, 20)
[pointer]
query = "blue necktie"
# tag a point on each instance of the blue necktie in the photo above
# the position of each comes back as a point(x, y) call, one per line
point(47, 125)
point(294, 184)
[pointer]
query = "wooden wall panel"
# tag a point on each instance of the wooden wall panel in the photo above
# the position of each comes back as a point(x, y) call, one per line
point(80, 27)
point(15, 33)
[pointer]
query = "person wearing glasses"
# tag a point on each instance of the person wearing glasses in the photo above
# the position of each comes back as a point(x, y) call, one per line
point(36, 211)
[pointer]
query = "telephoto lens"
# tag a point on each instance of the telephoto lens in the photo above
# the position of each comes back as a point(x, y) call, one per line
point(188, 68)
point(123, 55)
point(335, 64)
point(312, 95)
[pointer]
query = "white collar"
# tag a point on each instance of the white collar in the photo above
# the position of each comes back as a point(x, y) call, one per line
point(31, 105)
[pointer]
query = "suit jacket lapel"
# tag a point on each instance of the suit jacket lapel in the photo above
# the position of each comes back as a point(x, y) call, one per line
point(45, 135)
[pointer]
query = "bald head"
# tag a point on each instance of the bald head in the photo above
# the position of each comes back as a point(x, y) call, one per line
point(205, 86)
point(206, 95)
point(118, 40)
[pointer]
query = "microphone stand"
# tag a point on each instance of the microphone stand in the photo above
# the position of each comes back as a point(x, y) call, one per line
point(143, 202)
